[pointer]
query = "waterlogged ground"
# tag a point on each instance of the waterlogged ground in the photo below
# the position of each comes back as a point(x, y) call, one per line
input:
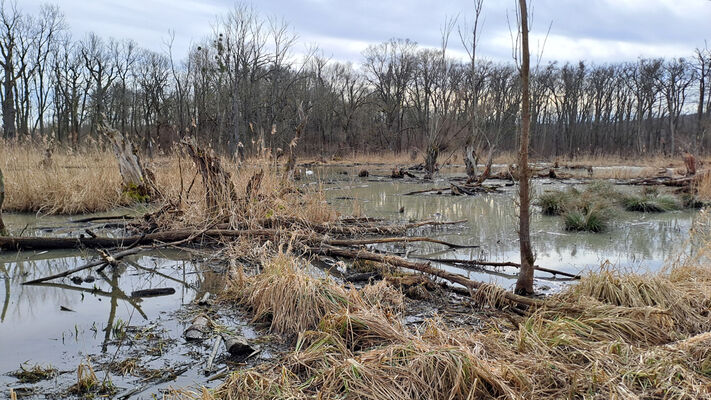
point(634, 242)
point(63, 323)
point(138, 339)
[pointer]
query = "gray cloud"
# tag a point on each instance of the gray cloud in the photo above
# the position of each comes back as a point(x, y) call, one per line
point(600, 30)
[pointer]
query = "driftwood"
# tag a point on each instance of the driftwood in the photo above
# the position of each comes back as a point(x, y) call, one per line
point(97, 263)
point(359, 242)
point(188, 235)
point(211, 359)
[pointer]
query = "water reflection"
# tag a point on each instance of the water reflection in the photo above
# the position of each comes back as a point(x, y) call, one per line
point(634, 241)
point(79, 316)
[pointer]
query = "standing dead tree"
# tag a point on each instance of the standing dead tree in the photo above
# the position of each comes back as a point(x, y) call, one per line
point(291, 162)
point(524, 284)
point(3, 231)
point(138, 181)
point(219, 188)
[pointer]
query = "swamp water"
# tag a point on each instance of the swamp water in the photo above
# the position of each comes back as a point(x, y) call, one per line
point(62, 323)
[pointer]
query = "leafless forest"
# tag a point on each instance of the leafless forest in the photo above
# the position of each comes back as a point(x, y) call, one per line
point(240, 89)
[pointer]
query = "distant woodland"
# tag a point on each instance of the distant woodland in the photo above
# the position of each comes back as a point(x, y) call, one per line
point(240, 91)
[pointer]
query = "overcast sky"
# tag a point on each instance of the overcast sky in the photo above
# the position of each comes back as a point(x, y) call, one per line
point(596, 30)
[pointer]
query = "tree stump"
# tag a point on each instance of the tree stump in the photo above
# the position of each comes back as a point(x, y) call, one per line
point(138, 181)
point(690, 163)
point(220, 192)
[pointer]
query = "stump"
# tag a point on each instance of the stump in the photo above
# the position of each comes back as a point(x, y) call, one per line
point(138, 181)
point(690, 163)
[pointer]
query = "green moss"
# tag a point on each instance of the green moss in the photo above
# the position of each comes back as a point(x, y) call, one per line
point(136, 193)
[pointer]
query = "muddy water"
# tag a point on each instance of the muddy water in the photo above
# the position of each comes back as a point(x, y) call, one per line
point(635, 241)
point(64, 323)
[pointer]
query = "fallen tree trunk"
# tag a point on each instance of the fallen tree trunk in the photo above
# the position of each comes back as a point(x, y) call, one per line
point(454, 261)
point(153, 292)
point(188, 235)
point(47, 243)
point(421, 267)
point(359, 242)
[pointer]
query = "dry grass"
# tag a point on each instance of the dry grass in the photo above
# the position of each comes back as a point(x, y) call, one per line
point(286, 296)
point(703, 186)
point(613, 335)
point(72, 183)
point(88, 181)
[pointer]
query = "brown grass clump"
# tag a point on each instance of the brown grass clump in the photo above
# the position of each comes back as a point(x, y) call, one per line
point(383, 296)
point(671, 293)
point(287, 297)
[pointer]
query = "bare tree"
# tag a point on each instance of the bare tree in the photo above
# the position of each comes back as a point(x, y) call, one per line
point(524, 284)
point(673, 83)
point(477, 139)
point(11, 21)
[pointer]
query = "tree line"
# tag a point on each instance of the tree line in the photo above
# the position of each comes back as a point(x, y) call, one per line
point(241, 91)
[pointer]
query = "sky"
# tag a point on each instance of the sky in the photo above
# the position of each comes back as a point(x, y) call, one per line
point(572, 30)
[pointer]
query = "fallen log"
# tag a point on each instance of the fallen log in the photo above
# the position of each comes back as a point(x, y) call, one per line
point(153, 292)
point(237, 345)
point(183, 235)
point(359, 242)
point(454, 261)
point(211, 359)
point(187, 235)
point(416, 266)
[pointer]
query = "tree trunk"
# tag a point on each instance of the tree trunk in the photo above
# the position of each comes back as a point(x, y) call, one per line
point(3, 231)
point(8, 106)
point(524, 284)
point(470, 161)
point(431, 161)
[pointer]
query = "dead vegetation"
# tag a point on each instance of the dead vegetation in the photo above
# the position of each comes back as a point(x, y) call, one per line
point(614, 335)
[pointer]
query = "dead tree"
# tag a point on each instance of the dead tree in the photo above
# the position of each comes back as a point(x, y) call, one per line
point(291, 162)
point(138, 181)
point(524, 284)
point(3, 231)
point(219, 188)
